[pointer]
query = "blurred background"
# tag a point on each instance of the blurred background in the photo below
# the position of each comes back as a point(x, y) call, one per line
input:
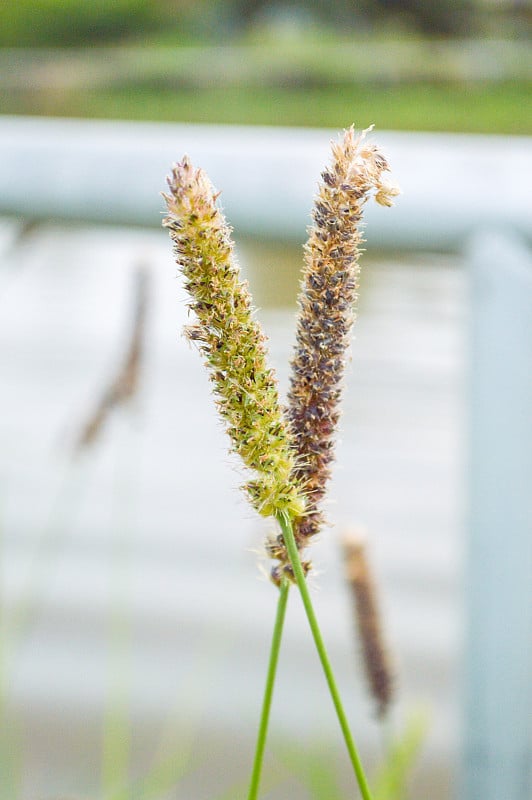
point(460, 66)
point(135, 613)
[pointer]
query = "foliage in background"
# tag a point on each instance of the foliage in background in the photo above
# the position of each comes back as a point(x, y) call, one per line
point(398, 81)
point(45, 23)
point(58, 23)
point(502, 109)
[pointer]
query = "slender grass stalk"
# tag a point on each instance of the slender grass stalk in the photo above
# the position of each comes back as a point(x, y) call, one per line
point(125, 382)
point(288, 535)
point(268, 690)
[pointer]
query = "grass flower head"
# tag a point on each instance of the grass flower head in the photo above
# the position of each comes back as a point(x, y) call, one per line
point(231, 341)
point(327, 311)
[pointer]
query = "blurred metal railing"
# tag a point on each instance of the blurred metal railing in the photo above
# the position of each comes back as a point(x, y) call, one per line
point(105, 171)
point(498, 664)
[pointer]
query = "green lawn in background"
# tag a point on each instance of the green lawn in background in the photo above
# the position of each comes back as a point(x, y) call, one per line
point(472, 108)
point(470, 86)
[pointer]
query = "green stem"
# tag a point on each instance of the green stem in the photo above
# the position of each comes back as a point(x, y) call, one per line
point(288, 534)
point(268, 690)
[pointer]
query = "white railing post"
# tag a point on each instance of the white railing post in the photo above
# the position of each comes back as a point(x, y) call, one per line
point(498, 666)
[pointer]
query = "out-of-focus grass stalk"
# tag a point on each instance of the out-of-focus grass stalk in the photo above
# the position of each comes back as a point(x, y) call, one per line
point(69, 494)
point(125, 382)
point(174, 750)
point(316, 766)
point(10, 750)
point(15, 624)
point(116, 734)
point(392, 777)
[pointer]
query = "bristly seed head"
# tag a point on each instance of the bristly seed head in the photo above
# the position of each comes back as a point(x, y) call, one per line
point(326, 312)
point(231, 341)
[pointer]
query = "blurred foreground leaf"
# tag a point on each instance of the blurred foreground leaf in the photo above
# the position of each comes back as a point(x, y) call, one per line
point(391, 781)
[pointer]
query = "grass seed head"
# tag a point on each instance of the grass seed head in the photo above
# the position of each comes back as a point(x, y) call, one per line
point(368, 621)
point(231, 341)
point(327, 311)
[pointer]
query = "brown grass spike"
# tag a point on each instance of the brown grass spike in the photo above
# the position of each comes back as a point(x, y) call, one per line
point(326, 312)
point(367, 615)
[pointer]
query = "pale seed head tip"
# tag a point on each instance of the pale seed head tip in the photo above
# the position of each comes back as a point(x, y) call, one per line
point(385, 194)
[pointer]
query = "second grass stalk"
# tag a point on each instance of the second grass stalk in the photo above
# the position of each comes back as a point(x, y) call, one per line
point(268, 691)
point(290, 543)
